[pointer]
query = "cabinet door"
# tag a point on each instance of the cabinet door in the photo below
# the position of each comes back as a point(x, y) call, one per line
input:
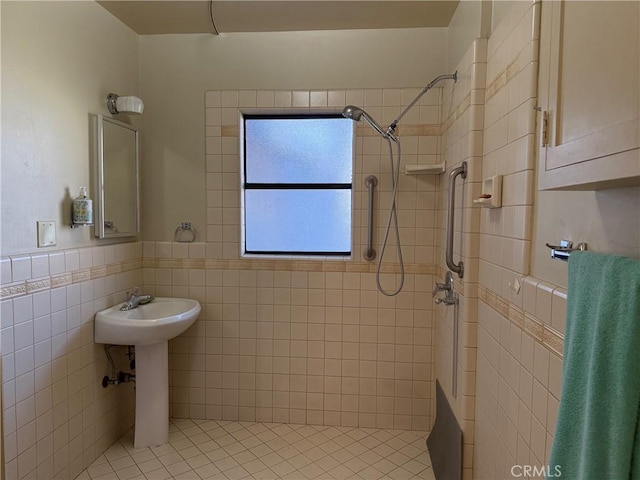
point(589, 91)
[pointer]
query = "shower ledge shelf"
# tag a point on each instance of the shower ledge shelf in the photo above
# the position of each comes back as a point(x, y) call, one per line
point(431, 169)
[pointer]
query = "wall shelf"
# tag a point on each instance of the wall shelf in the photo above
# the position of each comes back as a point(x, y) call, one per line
point(432, 169)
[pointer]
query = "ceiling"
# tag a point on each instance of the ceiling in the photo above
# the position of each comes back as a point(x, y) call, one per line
point(149, 17)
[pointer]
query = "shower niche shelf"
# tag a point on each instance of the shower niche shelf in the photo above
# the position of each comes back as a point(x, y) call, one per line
point(431, 169)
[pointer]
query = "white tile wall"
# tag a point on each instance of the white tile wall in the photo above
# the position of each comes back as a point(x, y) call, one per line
point(511, 392)
point(462, 139)
point(520, 332)
point(57, 418)
point(306, 341)
point(518, 396)
point(298, 345)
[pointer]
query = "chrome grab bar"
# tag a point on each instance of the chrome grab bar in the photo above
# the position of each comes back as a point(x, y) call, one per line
point(370, 182)
point(461, 171)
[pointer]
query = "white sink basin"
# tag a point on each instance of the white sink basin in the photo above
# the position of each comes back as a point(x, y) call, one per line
point(149, 328)
point(155, 322)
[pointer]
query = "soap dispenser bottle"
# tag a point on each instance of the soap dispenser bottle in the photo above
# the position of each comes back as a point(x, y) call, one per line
point(82, 208)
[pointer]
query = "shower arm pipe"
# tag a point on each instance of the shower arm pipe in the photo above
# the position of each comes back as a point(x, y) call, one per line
point(391, 129)
point(459, 171)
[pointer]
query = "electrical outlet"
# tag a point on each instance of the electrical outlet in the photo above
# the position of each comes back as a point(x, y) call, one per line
point(46, 234)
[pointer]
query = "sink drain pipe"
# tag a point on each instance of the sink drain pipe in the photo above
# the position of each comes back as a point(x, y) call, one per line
point(120, 377)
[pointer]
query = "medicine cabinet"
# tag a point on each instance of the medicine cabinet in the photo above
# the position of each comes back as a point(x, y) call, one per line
point(117, 211)
point(588, 95)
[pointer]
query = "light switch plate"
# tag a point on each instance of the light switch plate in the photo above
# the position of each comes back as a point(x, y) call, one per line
point(46, 234)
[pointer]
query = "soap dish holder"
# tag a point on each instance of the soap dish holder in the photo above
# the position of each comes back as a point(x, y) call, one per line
point(491, 196)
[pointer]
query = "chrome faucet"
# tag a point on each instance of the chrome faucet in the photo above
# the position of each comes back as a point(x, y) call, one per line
point(136, 299)
point(450, 296)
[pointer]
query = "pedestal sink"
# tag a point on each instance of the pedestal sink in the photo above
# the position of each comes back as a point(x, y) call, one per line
point(149, 328)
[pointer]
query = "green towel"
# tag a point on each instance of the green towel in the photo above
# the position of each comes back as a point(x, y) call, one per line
point(597, 435)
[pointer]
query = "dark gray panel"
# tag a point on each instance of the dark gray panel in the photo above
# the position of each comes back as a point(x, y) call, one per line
point(445, 441)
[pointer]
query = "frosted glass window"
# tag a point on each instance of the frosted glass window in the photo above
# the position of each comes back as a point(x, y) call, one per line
point(299, 150)
point(305, 221)
point(297, 184)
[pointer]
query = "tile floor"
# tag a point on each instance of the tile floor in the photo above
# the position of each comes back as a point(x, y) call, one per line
point(209, 449)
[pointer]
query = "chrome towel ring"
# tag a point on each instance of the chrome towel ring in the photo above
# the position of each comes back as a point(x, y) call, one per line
point(179, 233)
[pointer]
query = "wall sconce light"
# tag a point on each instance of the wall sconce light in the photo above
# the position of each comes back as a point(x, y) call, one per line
point(124, 104)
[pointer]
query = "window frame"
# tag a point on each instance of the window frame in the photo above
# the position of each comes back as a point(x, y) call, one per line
point(245, 186)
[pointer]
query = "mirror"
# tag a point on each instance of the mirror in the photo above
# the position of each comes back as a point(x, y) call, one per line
point(118, 197)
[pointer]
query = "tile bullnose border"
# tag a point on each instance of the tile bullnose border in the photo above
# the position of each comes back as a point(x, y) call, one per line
point(61, 280)
point(550, 338)
point(99, 272)
point(286, 265)
point(38, 284)
point(16, 289)
point(81, 276)
point(13, 290)
point(54, 281)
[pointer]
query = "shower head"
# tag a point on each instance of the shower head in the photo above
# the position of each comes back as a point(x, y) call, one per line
point(353, 113)
point(356, 113)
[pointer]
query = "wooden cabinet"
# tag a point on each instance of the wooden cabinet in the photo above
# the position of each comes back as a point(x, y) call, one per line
point(589, 95)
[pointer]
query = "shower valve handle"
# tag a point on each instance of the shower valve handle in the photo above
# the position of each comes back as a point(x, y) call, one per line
point(440, 287)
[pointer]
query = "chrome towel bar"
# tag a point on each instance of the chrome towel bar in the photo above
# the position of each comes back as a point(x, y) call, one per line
point(562, 251)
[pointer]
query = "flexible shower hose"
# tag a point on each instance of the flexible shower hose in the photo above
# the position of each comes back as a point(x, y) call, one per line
point(393, 215)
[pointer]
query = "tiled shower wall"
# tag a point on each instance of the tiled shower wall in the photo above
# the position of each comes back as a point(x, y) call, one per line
point(462, 139)
point(520, 319)
point(511, 325)
point(308, 340)
point(57, 418)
